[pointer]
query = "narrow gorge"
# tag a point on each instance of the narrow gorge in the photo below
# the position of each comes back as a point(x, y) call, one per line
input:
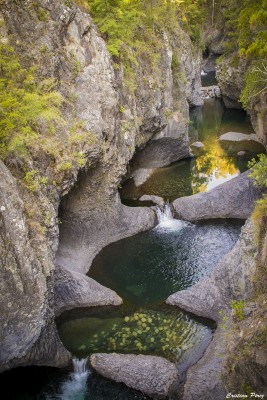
point(133, 199)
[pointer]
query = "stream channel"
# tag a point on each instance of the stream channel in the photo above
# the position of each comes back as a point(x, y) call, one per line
point(144, 270)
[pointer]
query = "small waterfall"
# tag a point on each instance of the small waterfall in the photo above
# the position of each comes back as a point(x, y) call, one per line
point(75, 387)
point(203, 73)
point(164, 215)
point(166, 220)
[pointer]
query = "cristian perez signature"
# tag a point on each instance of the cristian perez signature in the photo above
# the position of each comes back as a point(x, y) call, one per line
point(244, 396)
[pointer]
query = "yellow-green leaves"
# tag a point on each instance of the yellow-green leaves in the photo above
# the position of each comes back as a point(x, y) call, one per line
point(33, 128)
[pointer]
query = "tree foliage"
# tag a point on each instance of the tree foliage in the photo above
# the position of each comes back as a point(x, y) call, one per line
point(25, 105)
point(134, 29)
point(245, 28)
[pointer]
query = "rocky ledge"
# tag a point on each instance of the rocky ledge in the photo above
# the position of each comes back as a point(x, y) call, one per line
point(233, 142)
point(151, 375)
point(73, 289)
point(211, 298)
point(211, 92)
point(157, 200)
point(232, 199)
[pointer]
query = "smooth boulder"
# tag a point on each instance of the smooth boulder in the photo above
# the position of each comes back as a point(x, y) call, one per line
point(234, 142)
point(151, 375)
point(232, 199)
point(159, 201)
point(73, 289)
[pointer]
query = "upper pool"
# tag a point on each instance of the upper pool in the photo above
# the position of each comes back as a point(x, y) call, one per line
point(210, 168)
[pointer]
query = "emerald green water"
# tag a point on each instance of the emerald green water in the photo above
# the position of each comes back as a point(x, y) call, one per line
point(144, 270)
point(160, 330)
point(210, 168)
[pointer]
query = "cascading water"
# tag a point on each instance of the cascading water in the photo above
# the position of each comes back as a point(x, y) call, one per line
point(75, 387)
point(166, 219)
point(165, 214)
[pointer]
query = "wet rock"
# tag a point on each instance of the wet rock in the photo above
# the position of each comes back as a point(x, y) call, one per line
point(232, 199)
point(73, 289)
point(197, 148)
point(151, 375)
point(159, 201)
point(241, 153)
point(234, 142)
point(211, 92)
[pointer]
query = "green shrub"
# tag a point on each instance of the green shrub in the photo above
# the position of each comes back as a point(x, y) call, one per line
point(33, 127)
point(238, 308)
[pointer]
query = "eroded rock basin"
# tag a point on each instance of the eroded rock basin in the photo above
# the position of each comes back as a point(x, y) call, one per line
point(144, 270)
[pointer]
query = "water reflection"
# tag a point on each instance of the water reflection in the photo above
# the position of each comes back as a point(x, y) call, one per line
point(214, 167)
point(211, 168)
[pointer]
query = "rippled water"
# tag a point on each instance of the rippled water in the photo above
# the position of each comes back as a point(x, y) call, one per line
point(144, 270)
point(148, 267)
point(160, 330)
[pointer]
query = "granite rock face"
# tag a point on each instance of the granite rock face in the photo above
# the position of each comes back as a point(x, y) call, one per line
point(258, 114)
point(151, 375)
point(86, 229)
point(161, 152)
point(26, 306)
point(231, 82)
point(233, 199)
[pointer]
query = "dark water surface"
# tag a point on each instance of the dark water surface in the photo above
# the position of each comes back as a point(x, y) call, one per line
point(146, 268)
point(43, 383)
point(209, 79)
